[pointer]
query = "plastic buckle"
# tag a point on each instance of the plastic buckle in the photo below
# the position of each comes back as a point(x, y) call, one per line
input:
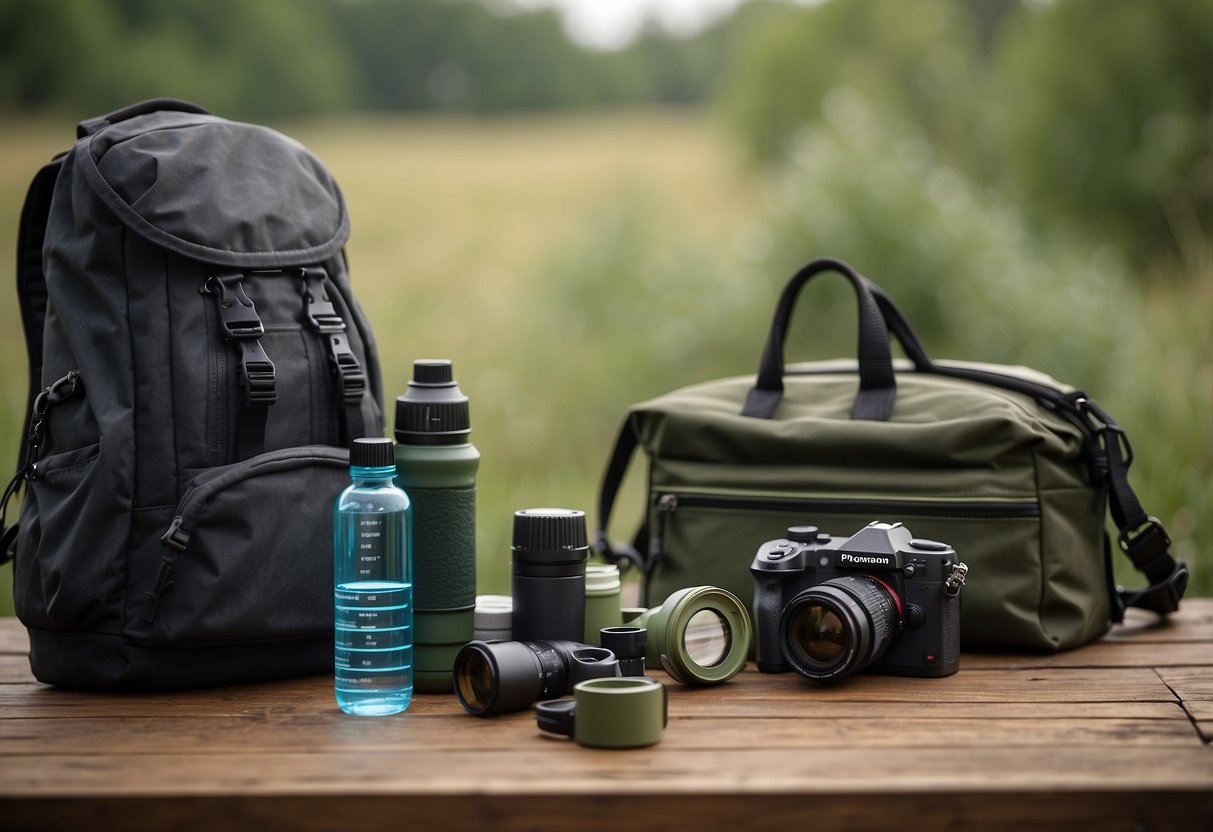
point(351, 380)
point(237, 311)
point(1101, 426)
point(1146, 542)
point(320, 310)
point(259, 375)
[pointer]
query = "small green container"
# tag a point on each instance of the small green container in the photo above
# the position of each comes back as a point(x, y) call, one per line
point(601, 600)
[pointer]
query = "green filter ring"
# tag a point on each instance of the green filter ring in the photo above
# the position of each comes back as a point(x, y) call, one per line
point(667, 632)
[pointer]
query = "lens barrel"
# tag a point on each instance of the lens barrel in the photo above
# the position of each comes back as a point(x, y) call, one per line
point(839, 627)
point(549, 554)
point(493, 677)
point(700, 635)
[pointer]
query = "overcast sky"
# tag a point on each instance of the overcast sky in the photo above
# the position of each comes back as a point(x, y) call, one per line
point(610, 24)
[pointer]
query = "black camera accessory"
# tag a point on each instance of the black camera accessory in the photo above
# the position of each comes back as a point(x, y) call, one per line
point(700, 635)
point(550, 552)
point(493, 677)
point(628, 644)
point(609, 713)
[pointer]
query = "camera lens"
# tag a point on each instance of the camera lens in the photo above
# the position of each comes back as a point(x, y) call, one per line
point(707, 638)
point(839, 627)
point(493, 677)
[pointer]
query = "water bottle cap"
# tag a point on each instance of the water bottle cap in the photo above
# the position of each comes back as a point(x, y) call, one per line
point(372, 452)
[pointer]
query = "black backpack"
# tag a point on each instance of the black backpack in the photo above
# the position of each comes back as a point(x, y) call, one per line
point(198, 366)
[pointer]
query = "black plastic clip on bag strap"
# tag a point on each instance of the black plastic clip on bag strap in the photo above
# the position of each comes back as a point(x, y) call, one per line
point(877, 383)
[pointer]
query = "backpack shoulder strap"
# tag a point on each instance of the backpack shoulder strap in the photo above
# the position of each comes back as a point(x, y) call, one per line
point(32, 297)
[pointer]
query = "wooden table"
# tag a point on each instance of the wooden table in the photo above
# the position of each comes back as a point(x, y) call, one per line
point(1112, 736)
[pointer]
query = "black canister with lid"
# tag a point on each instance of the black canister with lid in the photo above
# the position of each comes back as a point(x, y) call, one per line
point(549, 552)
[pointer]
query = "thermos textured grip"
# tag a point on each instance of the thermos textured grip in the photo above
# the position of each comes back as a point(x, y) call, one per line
point(444, 547)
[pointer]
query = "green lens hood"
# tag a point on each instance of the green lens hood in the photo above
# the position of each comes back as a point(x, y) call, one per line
point(609, 713)
point(667, 630)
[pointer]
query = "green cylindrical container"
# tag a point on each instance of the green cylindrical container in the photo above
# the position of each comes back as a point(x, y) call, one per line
point(699, 635)
point(601, 600)
point(609, 713)
point(436, 466)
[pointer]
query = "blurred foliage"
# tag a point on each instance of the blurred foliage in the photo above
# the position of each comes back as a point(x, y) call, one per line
point(1031, 181)
point(1093, 113)
point(285, 57)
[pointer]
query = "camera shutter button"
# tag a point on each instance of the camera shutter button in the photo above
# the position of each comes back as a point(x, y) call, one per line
point(928, 545)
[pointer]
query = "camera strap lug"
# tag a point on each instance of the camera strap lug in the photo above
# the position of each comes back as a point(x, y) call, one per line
point(955, 580)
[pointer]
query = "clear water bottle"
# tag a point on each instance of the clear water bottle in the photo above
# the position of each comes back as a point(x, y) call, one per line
point(373, 586)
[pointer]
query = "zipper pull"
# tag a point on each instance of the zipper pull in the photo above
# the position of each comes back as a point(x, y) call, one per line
point(667, 502)
point(176, 537)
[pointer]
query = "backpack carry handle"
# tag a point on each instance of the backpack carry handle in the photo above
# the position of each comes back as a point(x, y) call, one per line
point(90, 126)
point(877, 384)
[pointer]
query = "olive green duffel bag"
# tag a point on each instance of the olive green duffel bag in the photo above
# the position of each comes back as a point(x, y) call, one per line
point(1012, 468)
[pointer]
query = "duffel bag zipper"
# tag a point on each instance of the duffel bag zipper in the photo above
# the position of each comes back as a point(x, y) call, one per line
point(668, 503)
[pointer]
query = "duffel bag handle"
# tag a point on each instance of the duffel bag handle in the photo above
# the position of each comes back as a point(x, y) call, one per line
point(877, 383)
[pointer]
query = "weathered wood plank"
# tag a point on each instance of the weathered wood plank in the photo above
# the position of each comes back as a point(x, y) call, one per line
point(292, 698)
point(13, 638)
point(604, 810)
point(1193, 622)
point(749, 694)
point(14, 669)
point(556, 767)
point(1191, 684)
point(1124, 653)
point(325, 734)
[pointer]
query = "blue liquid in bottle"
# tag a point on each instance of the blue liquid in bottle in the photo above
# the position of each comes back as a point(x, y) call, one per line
point(373, 586)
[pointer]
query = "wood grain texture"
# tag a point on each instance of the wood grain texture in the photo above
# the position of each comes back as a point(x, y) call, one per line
point(1112, 736)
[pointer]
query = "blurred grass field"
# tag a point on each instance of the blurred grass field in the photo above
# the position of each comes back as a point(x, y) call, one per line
point(573, 264)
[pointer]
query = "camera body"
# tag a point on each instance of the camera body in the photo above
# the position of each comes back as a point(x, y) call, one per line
point(879, 600)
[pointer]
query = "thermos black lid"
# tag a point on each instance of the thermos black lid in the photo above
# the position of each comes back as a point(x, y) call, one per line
point(550, 534)
point(433, 410)
point(372, 452)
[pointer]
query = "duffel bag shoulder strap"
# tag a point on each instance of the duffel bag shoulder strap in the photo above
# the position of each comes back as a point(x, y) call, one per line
point(621, 553)
point(1141, 536)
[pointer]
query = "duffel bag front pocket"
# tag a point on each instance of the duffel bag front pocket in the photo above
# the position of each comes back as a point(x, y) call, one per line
point(248, 555)
point(711, 537)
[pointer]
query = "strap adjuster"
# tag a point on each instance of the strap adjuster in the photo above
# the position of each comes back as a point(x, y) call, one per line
point(1145, 543)
point(258, 374)
point(351, 380)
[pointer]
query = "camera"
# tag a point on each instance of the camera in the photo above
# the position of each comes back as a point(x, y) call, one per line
point(880, 600)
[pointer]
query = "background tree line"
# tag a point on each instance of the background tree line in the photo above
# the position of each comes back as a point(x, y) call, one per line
point(1097, 113)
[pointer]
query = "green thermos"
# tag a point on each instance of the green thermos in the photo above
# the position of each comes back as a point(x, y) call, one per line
point(436, 466)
